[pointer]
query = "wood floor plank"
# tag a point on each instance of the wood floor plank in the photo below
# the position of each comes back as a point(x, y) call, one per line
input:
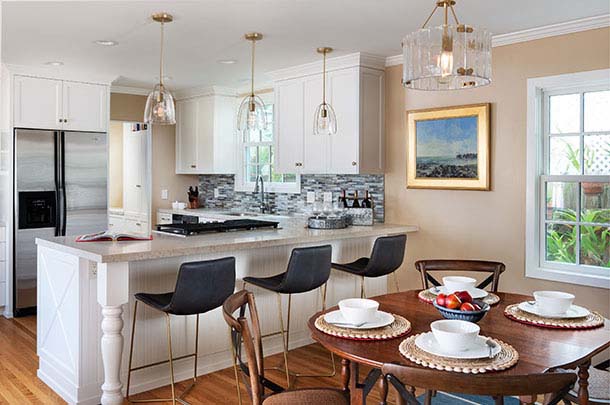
point(20, 385)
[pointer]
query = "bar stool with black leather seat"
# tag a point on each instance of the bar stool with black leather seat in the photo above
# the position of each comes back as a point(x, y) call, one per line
point(308, 269)
point(262, 390)
point(443, 265)
point(387, 257)
point(200, 287)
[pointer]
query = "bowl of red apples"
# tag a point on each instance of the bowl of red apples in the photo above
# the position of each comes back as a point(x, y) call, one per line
point(460, 305)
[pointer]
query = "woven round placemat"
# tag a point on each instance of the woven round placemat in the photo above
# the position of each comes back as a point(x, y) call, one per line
point(401, 326)
point(593, 320)
point(507, 358)
point(427, 297)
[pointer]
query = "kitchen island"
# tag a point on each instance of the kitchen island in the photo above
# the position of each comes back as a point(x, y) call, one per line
point(85, 301)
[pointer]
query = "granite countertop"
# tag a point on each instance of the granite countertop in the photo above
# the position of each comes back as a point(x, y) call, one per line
point(292, 232)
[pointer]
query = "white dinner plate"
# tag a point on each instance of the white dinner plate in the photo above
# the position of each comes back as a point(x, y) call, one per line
point(476, 293)
point(428, 343)
point(382, 319)
point(573, 312)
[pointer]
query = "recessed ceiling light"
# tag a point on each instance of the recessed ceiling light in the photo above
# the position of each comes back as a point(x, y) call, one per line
point(106, 42)
point(227, 61)
point(54, 63)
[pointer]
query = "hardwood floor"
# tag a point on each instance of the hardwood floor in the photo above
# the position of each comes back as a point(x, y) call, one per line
point(19, 384)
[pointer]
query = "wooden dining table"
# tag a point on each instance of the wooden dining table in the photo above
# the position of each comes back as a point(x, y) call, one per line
point(540, 349)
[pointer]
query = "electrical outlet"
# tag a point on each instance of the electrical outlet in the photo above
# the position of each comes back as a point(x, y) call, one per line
point(311, 197)
point(164, 194)
point(92, 269)
point(216, 192)
point(327, 196)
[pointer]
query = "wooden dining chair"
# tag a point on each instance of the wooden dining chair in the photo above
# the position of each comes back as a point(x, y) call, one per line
point(494, 268)
point(598, 388)
point(248, 335)
point(498, 386)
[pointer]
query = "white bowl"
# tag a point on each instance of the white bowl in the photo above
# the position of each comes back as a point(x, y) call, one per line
point(454, 335)
point(459, 283)
point(553, 302)
point(358, 310)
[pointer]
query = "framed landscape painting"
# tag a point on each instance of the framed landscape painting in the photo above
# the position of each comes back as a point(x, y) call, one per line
point(449, 148)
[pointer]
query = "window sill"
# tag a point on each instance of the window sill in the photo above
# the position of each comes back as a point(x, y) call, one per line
point(570, 277)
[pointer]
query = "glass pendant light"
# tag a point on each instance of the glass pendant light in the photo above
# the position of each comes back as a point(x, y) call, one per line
point(446, 57)
point(160, 107)
point(251, 118)
point(324, 120)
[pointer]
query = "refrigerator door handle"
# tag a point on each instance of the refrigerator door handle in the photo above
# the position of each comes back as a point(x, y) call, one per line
point(57, 188)
point(64, 205)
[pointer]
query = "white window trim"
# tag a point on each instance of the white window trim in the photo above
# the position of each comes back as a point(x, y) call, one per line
point(535, 267)
point(243, 186)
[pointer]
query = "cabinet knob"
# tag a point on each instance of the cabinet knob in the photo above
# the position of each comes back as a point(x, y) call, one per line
point(138, 185)
point(354, 163)
point(138, 224)
point(298, 164)
point(193, 166)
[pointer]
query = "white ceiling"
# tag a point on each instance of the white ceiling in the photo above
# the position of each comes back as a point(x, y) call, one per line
point(206, 31)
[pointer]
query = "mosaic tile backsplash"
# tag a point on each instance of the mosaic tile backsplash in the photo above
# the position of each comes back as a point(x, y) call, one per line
point(284, 203)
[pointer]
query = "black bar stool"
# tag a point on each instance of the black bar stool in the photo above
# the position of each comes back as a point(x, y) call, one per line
point(387, 256)
point(308, 269)
point(200, 287)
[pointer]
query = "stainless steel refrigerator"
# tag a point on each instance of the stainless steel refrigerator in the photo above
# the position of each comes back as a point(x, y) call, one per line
point(60, 189)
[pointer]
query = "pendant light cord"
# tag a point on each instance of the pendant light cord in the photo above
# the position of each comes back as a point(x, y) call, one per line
point(161, 59)
point(324, 79)
point(252, 69)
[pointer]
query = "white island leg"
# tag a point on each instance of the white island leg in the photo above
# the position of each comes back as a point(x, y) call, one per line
point(112, 293)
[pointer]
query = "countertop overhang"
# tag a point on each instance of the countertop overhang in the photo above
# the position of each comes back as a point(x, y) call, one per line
point(292, 232)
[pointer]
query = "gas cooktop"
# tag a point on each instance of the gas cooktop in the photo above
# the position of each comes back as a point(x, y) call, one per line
point(224, 226)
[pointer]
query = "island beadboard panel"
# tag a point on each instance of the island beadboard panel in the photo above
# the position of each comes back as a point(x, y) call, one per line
point(285, 203)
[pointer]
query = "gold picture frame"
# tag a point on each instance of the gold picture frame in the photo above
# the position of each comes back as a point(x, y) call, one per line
point(454, 148)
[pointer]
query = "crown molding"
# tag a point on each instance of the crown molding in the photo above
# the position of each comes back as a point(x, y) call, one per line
point(60, 73)
point(203, 91)
point(568, 27)
point(138, 91)
point(360, 59)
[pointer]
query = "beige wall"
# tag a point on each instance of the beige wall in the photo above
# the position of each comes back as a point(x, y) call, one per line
point(128, 107)
point(485, 224)
point(115, 163)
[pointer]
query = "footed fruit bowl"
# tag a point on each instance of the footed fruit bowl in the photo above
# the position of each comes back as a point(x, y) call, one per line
point(470, 316)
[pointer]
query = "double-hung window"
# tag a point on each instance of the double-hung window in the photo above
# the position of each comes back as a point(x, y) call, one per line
point(256, 153)
point(568, 196)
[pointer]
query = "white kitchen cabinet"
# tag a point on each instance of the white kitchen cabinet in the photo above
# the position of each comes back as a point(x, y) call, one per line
point(135, 195)
point(37, 103)
point(115, 222)
point(84, 107)
point(355, 89)
point(135, 226)
point(58, 104)
point(164, 218)
point(289, 149)
point(205, 134)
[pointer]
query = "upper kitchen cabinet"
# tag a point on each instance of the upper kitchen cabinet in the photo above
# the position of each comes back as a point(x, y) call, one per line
point(58, 104)
point(205, 132)
point(355, 89)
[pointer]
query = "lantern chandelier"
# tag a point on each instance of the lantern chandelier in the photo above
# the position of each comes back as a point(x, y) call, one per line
point(446, 57)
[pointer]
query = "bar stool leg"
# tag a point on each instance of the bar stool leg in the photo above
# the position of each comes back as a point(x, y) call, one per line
point(133, 332)
point(332, 356)
point(362, 292)
point(171, 360)
point(234, 356)
point(396, 281)
point(282, 332)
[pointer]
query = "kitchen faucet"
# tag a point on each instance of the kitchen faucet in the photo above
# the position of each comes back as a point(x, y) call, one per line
point(264, 206)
